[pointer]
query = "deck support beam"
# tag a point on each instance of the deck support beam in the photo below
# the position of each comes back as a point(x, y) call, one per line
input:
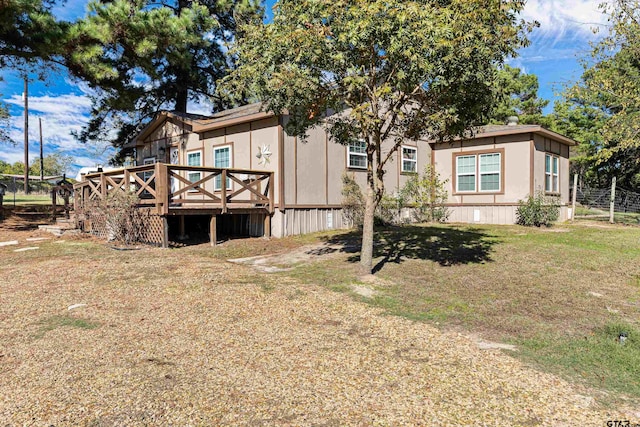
point(181, 229)
point(165, 232)
point(267, 226)
point(213, 229)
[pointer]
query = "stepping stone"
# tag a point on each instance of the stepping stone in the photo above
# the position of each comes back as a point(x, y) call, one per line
point(37, 239)
point(26, 249)
point(11, 242)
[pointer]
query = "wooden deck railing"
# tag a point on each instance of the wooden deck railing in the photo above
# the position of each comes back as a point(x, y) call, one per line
point(163, 187)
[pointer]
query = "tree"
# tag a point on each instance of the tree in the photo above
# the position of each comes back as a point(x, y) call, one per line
point(141, 56)
point(391, 69)
point(608, 96)
point(517, 96)
point(4, 124)
point(29, 33)
point(54, 164)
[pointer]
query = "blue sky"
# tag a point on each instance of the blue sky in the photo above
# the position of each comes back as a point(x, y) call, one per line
point(556, 48)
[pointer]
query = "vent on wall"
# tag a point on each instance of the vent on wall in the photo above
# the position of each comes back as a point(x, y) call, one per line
point(476, 215)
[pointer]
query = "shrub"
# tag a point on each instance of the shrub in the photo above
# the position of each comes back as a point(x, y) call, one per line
point(387, 212)
point(352, 201)
point(427, 194)
point(124, 221)
point(538, 210)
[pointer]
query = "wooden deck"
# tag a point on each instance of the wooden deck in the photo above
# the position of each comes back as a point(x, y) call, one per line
point(175, 190)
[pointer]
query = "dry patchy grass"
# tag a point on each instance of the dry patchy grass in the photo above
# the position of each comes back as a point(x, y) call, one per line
point(183, 337)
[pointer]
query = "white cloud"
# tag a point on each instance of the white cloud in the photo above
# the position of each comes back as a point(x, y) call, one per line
point(562, 20)
point(61, 115)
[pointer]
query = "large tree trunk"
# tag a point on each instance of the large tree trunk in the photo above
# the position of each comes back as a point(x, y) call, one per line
point(181, 101)
point(366, 252)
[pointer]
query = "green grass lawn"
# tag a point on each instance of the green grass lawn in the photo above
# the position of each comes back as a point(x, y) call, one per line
point(602, 215)
point(28, 199)
point(562, 295)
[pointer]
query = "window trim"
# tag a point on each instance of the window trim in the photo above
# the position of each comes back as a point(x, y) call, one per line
point(474, 174)
point(215, 148)
point(414, 161)
point(480, 173)
point(199, 150)
point(147, 174)
point(349, 154)
point(550, 173)
point(477, 154)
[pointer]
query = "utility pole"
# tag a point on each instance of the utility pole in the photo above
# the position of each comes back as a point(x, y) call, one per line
point(26, 135)
point(41, 152)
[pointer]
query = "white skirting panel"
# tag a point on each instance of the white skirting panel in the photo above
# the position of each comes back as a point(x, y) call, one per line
point(293, 222)
point(490, 214)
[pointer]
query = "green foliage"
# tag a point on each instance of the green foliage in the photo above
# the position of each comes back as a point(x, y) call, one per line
point(537, 211)
point(4, 124)
point(352, 200)
point(602, 110)
point(29, 33)
point(141, 57)
point(389, 210)
point(54, 164)
point(517, 96)
point(377, 70)
point(427, 194)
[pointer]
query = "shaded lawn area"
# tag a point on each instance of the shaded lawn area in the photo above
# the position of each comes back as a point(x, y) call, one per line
point(562, 295)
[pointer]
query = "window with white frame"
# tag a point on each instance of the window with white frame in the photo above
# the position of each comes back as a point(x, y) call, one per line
point(490, 168)
point(479, 173)
point(194, 158)
point(409, 159)
point(146, 175)
point(465, 173)
point(221, 159)
point(357, 155)
point(551, 173)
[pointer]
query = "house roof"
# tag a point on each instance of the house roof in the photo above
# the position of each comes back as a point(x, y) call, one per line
point(198, 123)
point(500, 130)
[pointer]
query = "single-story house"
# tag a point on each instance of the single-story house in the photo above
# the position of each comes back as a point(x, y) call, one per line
point(487, 174)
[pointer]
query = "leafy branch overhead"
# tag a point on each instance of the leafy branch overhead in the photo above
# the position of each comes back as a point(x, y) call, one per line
point(602, 110)
point(141, 56)
point(378, 71)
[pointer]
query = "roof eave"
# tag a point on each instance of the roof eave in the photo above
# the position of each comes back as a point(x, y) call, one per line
point(537, 129)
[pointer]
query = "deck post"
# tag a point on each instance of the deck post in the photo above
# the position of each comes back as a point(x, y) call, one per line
point(213, 229)
point(103, 186)
point(267, 226)
point(127, 181)
point(181, 230)
point(270, 189)
point(223, 189)
point(54, 204)
point(165, 232)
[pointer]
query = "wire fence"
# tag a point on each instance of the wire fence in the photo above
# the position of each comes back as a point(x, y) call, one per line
point(626, 201)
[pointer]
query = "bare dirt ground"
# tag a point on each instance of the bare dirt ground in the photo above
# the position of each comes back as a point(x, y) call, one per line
point(178, 337)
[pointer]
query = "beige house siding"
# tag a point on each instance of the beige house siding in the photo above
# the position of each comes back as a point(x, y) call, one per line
point(522, 173)
point(308, 175)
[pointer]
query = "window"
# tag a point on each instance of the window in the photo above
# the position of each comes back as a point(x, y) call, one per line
point(194, 158)
point(409, 159)
point(221, 159)
point(551, 174)
point(479, 172)
point(146, 175)
point(490, 172)
point(466, 173)
point(357, 154)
